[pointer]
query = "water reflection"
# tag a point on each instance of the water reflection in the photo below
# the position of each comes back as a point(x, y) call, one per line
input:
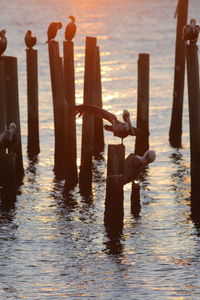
point(114, 233)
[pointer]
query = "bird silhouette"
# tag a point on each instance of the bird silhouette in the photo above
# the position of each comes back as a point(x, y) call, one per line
point(191, 32)
point(52, 30)
point(119, 129)
point(70, 29)
point(29, 40)
point(3, 41)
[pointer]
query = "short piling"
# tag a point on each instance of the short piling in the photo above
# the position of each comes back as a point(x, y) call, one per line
point(98, 122)
point(194, 120)
point(175, 132)
point(142, 141)
point(69, 82)
point(114, 185)
point(33, 145)
point(85, 175)
point(59, 108)
point(12, 108)
point(8, 178)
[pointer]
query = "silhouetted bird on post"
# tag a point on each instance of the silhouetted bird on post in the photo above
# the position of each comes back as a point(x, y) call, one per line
point(52, 30)
point(191, 32)
point(119, 129)
point(70, 29)
point(3, 41)
point(29, 40)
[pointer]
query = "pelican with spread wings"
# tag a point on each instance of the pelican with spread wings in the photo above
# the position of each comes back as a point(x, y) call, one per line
point(119, 129)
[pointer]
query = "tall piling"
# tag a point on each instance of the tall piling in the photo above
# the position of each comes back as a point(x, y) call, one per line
point(114, 185)
point(142, 141)
point(69, 82)
point(33, 145)
point(98, 122)
point(2, 97)
point(59, 109)
point(12, 108)
point(85, 175)
point(194, 120)
point(175, 131)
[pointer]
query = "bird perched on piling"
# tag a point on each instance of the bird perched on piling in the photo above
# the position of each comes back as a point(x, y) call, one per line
point(29, 40)
point(191, 32)
point(134, 165)
point(119, 129)
point(52, 30)
point(70, 29)
point(3, 41)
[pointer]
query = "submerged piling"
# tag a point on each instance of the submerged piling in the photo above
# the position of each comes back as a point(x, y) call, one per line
point(8, 177)
point(59, 108)
point(114, 184)
point(179, 76)
point(12, 108)
point(142, 141)
point(69, 82)
point(194, 120)
point(88, 120)
point(33, 146)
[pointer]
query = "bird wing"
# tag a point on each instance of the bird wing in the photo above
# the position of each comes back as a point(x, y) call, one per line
point(94, 110)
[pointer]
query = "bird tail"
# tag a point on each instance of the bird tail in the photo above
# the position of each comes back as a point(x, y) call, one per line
point(108, 127)
point(46, 42)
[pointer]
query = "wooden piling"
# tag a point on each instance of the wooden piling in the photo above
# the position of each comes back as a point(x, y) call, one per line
point(142, 141)
point(98, 122)
point(59, 108)
point(88, 120)
point(135, 200)
point(179, 76)
point(12, 108)
point(69, 82)
point(33, 146)
point(194, 120)
point(8, 177)
point(114, 184)
point(2, 97)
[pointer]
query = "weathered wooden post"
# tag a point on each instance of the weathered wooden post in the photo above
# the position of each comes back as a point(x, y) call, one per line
point(12, 108)
point(114, 185)
point(85, 175)
point(179, 76)
point(2, 97)
point(33, 146)
point(135, 200)
point(98, 122)
point(69, 82)
point(194, 119)
point(142, 141)
point(59, 108)
point(8, 177)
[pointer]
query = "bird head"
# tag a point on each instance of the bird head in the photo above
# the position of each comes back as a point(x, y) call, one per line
point(149, 156)
point(72, 18)
point(29, 32)
point(59, 25)
point(193, 22)
point(2, 33)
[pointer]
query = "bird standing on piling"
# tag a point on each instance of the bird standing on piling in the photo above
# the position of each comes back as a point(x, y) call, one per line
point(191, 32)
point(52, 30)
point(119, 129)
point(3, 41)
point(70, 29)
point(29, 40)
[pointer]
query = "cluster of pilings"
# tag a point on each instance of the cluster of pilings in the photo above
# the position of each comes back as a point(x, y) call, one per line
point(189, 53)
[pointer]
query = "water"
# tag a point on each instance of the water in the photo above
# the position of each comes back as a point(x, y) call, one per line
point(55, 247)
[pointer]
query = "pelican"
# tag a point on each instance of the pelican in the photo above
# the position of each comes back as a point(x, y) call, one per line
point(190, 32)
point(119, 129)
point(134, 165)
point(3, 41)
point(70, 29)
point(29, 40)
point(52, 30)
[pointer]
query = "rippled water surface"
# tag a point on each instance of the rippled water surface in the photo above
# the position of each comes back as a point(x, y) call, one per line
point(57, 247)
